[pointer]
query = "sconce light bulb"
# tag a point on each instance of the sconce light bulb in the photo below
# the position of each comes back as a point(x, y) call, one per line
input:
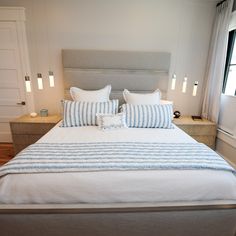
point(173, 82)
point(184, 87)
point(27, 84)
point(195, 88)
point(40, 81)
point(51, 79)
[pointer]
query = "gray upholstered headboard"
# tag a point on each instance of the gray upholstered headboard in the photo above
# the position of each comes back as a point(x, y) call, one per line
point(136, 71)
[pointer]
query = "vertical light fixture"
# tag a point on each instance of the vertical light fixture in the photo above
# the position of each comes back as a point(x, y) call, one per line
point(37, 50)
point(184, 87)
point(51, 79)
point(40, 81)
point(173, 82)
point(195, 88)
point(27, 84)
point(50, 72)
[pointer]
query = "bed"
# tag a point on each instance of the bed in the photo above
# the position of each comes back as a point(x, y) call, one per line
point(118, 202)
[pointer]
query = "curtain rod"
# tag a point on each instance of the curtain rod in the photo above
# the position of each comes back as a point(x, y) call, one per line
point(219, 3)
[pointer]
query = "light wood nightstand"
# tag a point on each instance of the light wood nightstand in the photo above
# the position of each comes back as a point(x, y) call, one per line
point(26, 130)
point(204, 131)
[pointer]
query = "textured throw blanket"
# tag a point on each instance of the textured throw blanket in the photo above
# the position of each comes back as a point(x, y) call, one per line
point(77, 157)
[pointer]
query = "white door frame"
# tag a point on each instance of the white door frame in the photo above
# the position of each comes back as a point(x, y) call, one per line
point(17, 14)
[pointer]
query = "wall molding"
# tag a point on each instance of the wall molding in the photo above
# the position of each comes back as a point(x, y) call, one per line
point(227, 138)
point(227, 159)
point(12, 14)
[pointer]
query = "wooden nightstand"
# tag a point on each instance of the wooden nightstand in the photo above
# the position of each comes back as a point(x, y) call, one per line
point(204, 131)
point(26, 130)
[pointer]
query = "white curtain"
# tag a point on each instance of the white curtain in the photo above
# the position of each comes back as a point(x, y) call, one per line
point(216, 62)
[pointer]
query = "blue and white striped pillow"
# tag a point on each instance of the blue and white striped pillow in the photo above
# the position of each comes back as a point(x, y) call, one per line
point(148, 116)
point(84, 113)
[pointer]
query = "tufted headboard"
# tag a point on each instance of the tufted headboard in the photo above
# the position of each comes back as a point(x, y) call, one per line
point(136, 71)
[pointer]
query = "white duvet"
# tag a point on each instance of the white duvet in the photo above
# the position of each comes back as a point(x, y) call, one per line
point(161, 186)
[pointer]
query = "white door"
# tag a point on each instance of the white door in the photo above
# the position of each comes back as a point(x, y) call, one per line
point(12, 90)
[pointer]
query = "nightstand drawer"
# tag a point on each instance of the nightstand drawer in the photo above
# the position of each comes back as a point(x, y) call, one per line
point(26, 130)
point(209, 140)
point(204, 131)
point(31, 128)
point(25, 139)
point(20, 147)
point(199, 129)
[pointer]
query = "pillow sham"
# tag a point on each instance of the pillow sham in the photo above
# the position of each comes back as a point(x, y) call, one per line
point(166, 102)
point(81, 95)
point(148, 116)
point(84, 113)
point(142, 98)
point(111, 121)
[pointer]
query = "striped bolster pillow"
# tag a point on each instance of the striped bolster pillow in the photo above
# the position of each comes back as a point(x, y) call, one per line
point(148, 116)
point(84, 113)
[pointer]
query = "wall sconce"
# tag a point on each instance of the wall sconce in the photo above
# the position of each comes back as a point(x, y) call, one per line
point(184, 87)
point(27, 84)
point(40, 81)
point(173, 82)
point(51, 79)
point(195, 88)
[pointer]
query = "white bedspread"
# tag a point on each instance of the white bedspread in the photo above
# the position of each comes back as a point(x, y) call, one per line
point(204, 186)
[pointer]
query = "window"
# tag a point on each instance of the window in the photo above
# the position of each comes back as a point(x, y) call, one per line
point(229, 85)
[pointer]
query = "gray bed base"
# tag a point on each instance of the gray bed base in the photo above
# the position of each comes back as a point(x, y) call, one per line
point(85, 220)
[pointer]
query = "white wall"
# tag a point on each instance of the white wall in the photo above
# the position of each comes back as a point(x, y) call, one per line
point(182, 27)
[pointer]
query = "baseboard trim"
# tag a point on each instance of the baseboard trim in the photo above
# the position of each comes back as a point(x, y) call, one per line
point(227, 138)
point(227, 159)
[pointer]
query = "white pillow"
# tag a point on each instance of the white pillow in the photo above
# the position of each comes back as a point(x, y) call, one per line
point(166, 102)
point(111, 121)
point(80, 95)
point(142, 98)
